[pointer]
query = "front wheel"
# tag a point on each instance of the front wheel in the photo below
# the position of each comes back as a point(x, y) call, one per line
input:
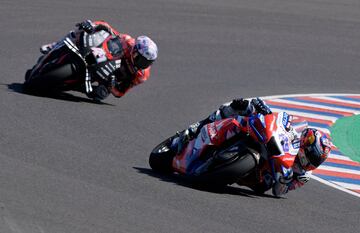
point(161, 157)
point(49, 80)
point(230, 166)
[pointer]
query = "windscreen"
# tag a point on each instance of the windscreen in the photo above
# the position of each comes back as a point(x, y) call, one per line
point(115, 46)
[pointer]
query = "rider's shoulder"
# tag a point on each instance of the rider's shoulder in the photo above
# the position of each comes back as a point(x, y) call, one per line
point(106, 24)
point(127, 38)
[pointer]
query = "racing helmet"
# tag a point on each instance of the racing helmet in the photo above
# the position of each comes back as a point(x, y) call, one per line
point(314, 148)
point(144, 52)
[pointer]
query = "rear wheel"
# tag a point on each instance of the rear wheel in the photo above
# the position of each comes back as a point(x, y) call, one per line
point(161, 157)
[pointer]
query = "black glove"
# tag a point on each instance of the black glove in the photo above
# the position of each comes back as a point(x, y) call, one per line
point(86, 26)
point(99, 93)
point(239, 104)
point(260, 106)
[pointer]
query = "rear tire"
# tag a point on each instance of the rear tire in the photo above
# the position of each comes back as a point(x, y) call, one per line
point(161, 157)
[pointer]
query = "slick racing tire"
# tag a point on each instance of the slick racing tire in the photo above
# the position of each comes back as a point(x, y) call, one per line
point(48, 81)
point(236, 167)
point(161, 157)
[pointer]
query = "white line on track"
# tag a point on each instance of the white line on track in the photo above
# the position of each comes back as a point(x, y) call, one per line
point(311, 95)
point(339, 100)
point(338, 169)
point(305, 114)
point(341, 157)
point(299, 104)
point(347, 185)
point(335, 186)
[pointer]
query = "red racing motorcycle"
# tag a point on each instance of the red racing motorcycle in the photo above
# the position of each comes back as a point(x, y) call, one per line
point(248, 151)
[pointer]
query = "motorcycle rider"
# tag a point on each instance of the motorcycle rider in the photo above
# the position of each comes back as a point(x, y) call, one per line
point(313, 150)
point(128, 68)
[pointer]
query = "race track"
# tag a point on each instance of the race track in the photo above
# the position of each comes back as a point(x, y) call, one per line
point(69, 165)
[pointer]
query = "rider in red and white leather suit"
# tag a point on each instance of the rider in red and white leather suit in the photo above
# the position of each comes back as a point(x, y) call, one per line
point(129, 67)
point(314, 147)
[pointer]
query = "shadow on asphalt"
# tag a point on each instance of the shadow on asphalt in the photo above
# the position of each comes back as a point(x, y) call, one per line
point(189, 183)
point(19, 88)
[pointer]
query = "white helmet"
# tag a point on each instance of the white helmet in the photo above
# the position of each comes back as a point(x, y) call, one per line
point(144, 53)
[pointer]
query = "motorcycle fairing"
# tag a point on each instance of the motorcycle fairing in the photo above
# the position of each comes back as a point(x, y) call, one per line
point(211, 135)
point(286, 160)
point(94, 39)
point(260, 128)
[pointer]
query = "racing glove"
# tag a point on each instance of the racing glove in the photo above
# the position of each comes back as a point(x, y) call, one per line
point(240, 104)
point(99, 93)
point(87, 26)
point(260, 106)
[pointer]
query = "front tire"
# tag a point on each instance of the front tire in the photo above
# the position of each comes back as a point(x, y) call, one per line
point(48, 81)
point(232, 170)
point(161, 157)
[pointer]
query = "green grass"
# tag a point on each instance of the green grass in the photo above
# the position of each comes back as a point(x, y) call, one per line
point(346, 136)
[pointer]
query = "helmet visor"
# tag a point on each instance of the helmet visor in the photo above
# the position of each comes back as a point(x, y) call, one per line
point(314, 154)
point(305, 163)
point(140, 61)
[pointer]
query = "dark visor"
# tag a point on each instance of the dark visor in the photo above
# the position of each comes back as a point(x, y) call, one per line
point(313, 153)
point(141, 62)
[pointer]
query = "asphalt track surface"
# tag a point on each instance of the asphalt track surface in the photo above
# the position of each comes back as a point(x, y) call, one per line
point(69, 165)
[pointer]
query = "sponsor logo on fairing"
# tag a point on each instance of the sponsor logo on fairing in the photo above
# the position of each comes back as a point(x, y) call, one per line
point(284, 140)
point(296, 144)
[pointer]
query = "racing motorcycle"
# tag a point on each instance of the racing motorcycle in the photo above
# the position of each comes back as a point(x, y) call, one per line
point(66, 66)
point(238, 150)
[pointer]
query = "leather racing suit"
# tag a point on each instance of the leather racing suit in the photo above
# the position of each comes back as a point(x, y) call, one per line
point(294, 177)
point(118, 73)
point(113, 70)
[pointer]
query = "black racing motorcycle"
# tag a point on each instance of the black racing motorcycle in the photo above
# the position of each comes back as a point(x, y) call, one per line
point(66, 66)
